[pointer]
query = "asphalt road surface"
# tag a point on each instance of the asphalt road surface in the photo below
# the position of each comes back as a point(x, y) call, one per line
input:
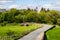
point(34, 34)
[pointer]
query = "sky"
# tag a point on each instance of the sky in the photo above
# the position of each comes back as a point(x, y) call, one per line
point(21, 4)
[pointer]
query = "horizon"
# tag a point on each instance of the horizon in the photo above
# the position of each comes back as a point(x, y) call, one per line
point(23, 4)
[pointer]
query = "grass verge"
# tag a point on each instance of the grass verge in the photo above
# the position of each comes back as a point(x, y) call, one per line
point(53, 34)
point(13, 32)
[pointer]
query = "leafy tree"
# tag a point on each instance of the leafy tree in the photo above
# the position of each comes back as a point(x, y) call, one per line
point(30, 15)
point(58, 21)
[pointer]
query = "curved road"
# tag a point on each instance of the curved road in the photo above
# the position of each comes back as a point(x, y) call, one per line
point(34, 34)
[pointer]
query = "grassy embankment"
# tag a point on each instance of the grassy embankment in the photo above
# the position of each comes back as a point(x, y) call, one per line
point(53, 34)
point(12, 32)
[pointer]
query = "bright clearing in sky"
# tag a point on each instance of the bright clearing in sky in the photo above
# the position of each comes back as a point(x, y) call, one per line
point(19, 4)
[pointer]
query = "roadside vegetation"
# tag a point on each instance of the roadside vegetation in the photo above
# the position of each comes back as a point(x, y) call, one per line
point(8, 18)
point(13, 32)
point(53, 34)
point(30, 15)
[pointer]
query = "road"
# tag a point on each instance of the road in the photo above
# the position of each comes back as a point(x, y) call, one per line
point(34, 34)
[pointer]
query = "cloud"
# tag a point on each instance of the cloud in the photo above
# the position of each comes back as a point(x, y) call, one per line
point(17, 6)
point(14, 6)
point(22, 6)
point(47, 6)
point(5, 1)
point(55, 6)
point(51, 5)
point(2, 7)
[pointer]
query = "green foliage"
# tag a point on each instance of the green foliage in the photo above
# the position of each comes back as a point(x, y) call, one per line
point(58, 21)
point(4, 23)
point(12, 32)
point(53, 34)
point(30, 15)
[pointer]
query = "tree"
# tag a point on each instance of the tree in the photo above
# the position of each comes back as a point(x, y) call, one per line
point(32, 16)
point(58, 21)
point(43, 10)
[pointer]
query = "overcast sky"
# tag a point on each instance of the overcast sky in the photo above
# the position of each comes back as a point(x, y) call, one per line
point(51, 4)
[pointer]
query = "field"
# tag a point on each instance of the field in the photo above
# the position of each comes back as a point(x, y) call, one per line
point(53, 34)
point(12, 32)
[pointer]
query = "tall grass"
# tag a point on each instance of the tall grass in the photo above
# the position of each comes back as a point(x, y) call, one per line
point(12, 32)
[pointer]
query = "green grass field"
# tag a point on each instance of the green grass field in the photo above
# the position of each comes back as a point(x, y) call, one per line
point(11, 32)
point(53, 34)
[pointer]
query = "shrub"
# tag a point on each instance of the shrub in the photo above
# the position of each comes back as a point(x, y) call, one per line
point(58, 22)
point(4, 23)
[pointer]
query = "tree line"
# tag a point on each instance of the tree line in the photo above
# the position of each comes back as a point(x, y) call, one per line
point(30, 15)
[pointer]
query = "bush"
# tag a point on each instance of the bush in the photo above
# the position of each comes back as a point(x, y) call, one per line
point(4, 23)
point(58, 22)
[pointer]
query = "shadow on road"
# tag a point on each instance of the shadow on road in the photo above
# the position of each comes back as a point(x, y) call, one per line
point(45, 36)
